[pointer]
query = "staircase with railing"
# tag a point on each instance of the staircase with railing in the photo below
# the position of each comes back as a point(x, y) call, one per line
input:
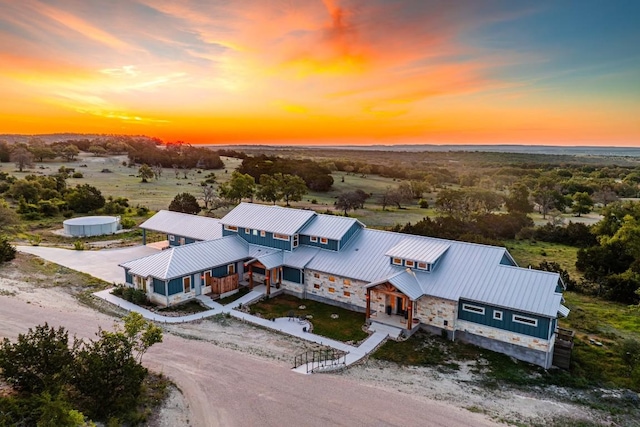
point(562, 348)
point(320, 360)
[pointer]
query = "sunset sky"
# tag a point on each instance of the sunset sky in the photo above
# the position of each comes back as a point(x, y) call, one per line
point(313, 71)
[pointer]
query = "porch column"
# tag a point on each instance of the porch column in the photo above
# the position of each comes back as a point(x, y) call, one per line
point(279, 277)
point(267, 280)
point(251, 276)
point(410, 319)
point(367, 313)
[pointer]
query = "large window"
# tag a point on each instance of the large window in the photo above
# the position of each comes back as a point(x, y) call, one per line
point(313, 239)
point(397, 261)
point(473, 308)
point(324, 240)
point(263, 233)
point(423, 266)
point(280, 236)
point(409, 263)
point(231, 228)
point(186, 283)
point(525, 320)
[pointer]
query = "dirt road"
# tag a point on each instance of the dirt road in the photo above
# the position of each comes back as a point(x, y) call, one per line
point(230, 388)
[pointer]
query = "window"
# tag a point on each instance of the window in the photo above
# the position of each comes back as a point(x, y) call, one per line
point(473, 308)
point(409, 263)
point(347, 282)
point(231, 269)
point(247, 231)
point(263, 233)
point(423, 266)
point(316, 275)
point(182, 241)
point(207, 277)
point(280, 236)
point(347, 293)
point(525, 320)
point(324, 240)
point(231, 228)
point(397, 261)
point(172, 238)
point(331, 290)
point(255, 232)
point(316, 286)
point(313, 239)
point(186, 283)
point(332, 279)
point(295, 240)
point(497, 315)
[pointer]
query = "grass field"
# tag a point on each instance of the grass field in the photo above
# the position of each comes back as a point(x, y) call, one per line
point(346, 327)
point(527, 252)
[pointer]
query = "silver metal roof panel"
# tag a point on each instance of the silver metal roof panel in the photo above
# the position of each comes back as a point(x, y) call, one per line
point(417, 250)
point(182, 224)
point(329, 226)
point(274, 219)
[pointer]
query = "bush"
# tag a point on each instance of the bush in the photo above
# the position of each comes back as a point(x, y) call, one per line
point(78, 245)
point(77, 175)
point(7, 252)
point(142, 210)
point(67, 214)
point(424, 204)
point(133, 295)
point(127, 223)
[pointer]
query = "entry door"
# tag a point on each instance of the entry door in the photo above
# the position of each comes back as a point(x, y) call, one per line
point(274, 276)
point(399, 308)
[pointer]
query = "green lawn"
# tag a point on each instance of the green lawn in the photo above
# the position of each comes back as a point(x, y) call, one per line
point(527, 252)
point(189, 307)
point(347, 327)
point(242, 291)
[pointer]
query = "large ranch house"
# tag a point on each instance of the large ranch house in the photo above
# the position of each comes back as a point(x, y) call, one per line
point(470, 292)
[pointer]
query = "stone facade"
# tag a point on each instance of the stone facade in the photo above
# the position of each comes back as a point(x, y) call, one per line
point(436, 312)
point(496, 334)
point(343, 291)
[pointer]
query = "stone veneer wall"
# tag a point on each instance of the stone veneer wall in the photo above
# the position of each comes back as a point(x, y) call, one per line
point(435, 311)
point(356, 300)
point(523, 347)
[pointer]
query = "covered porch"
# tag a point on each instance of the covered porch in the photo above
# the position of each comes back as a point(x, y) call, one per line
point(272, 275)
point(386, 304)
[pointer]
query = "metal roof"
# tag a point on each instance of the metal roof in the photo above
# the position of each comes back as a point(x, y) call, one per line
point(186, 225)
point(405, 281)
point(465, 270)
point(417, 250)
point(329, 226)
point(182, 260)
point(300, 257)
point(272, 260)
point(274, 219)
point(563, 311)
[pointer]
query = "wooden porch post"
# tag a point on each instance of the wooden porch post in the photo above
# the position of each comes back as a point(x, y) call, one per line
point(251, 276)
point(267, 280)
point(367, 313)
point(410, 319)
point(280, 276)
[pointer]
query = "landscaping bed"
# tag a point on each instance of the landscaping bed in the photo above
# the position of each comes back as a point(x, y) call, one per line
point(346, 326)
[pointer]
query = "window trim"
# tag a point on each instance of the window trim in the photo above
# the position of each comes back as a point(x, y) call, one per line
point(231, 228)
point(279, 236)
point(524, 320)
point(316, 275)
point(172, 238)
point(396, 261)
point(331, 290)
point(295, 240)
point(346, 294)
point(313, 239)
point(324, 241)
point(470, 308)
point(263, 233)
point(230, 267)
point(332, 279)
point(316, 286)
point(346, 282)
point(184, 280)
point(426, 266)
point(498, 315)
point(409, 263)
point(247, 231)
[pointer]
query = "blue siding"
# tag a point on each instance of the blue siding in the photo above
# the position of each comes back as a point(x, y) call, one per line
point(506, 260)
point(292, 274)
point(219, 271)
point(176, 241)
point(540, 331)
point(350, 232)
point(127, 277)
point(267, 240)
point(332, 245)
point(175, 286)
point(158, 286)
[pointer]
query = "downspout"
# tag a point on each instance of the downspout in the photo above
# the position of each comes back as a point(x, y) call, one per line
point(166, 291)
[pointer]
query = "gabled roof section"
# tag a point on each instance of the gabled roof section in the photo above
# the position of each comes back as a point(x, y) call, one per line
point(417, 250)
point(274, 219)
point(329, 226)
point(405, 281)
point(186, 225)
point(182, 260)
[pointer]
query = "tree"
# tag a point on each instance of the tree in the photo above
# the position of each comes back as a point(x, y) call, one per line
point(185, 203)
point(208, 195)
point(605, 195)
point(69, 152)
point(8, 217)
point(582, 203)
point(269, 189)
point(157, 171)
point(518, 199)
point(29, 190)
point(240, 186)
point(84, 198)
point(141, 333)
point(547, 197)
point(292, 187)
point(5, 152)
point(145, 173)
point(449, 202)
point(39, 361)
point(21, 157)
point(97, 150)
point(7, 251)
point(41, 150)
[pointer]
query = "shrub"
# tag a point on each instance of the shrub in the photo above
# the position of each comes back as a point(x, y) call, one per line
point(77, 175)
point(127, 223)
point(35, 239)
point(67, 214)
point(142, 210)
point(424, 204)
point(7, 251)
point(78, 245)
